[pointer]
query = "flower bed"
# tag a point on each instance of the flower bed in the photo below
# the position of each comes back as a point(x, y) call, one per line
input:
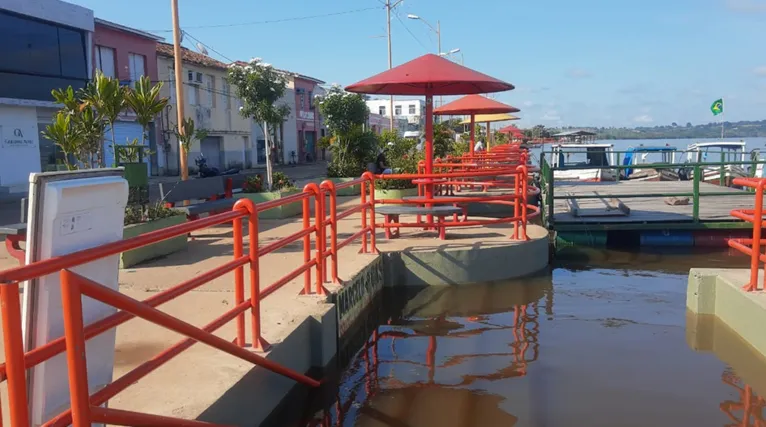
point(254, 189)
point(155, 250)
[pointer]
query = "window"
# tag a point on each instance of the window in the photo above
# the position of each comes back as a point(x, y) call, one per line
point(191, 93)
point(412, 109)
point(226, 95)
point(210, 90)
point(397, 110)
point(136, 67)
point(172, 79)
point(382, 110)
point(303, 102)
point(311, 100)
point(105, 60)
point(36, 56)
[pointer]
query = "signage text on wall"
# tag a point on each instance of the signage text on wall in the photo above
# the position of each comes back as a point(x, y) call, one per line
point(18, 137)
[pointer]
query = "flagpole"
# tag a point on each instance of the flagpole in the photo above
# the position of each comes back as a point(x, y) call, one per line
point(723, 111)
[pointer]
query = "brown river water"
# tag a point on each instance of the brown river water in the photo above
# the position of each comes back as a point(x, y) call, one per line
point(602, 339)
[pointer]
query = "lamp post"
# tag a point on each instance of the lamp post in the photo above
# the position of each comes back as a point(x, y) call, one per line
point(438, 31)
point(452, 52)
point(390, 6)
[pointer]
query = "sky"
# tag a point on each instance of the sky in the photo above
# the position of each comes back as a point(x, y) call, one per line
point(574, 63)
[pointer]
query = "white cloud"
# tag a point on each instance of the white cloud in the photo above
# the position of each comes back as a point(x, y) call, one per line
point(644, 118)
point(760, 71)
point(579, 73)
point(527, 103)
point(551, 115)
point(747, 5)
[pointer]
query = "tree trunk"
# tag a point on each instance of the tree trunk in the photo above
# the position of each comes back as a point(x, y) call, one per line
point(101, 159)
point(266, 132)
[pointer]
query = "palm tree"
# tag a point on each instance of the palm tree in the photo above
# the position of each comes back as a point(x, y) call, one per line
point(65, 135)
point(107, 97)
point(86, 122)
point(146, 102)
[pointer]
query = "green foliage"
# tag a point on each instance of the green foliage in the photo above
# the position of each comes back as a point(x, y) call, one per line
point(62, 133)
point(352, 153)
point(742, 129)
point(107, 97)
point(281, 182)
point(253, 184)
point(343, 111)
point(146, 102)
point(132, 152)
point(259, 86)
point(403, 158)
point(187, 134)
point(444, 137)
point(325, 142)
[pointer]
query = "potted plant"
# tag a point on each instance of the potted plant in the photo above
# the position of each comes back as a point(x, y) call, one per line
point(255, 189)
point(352, 147)
point(403, 157)
point(140, 219)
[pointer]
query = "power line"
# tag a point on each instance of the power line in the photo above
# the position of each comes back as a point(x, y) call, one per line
point(272, 21)
point(411, 33)
point(209, 47)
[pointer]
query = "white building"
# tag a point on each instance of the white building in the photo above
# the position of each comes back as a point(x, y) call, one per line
point(411, 110)
point(47, 44)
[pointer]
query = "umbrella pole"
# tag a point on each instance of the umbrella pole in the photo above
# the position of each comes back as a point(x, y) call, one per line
point(473, 135)
point(489, 138)
point(429, 151)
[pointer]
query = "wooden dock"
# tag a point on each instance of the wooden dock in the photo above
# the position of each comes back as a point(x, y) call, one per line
point(579, 206)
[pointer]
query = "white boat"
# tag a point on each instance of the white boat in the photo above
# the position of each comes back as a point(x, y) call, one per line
point(597, 157)
point(719, 151)
point(638, 156)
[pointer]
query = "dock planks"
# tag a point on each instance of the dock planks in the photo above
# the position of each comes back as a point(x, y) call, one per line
point(645, 210)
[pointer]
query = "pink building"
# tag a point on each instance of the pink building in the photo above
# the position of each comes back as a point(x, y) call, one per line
point(307, 118)
point(127, 54)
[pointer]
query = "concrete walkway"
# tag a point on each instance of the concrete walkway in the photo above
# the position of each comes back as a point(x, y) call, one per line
point(188, 385)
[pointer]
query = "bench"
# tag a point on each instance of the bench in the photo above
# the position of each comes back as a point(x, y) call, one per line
point(391, 214)
point(462, 206)
point(210, 190)
point(15, 234)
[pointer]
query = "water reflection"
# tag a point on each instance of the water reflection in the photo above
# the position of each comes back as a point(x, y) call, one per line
point(744, 374)
point(422, 386)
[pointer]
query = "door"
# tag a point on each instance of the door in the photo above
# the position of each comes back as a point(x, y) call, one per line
point(310, 143)
point(211, 149)
point(124, 134)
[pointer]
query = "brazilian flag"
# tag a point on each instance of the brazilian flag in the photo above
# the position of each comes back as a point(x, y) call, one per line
point(717, 107)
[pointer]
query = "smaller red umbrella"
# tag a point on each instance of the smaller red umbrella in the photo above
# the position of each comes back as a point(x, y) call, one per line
point(472, 105)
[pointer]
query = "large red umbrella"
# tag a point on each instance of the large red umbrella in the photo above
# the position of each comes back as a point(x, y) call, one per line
point(429, 75)
point(512, 130)
point(473, 105)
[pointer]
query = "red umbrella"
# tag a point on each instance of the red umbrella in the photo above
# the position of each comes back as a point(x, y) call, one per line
point(429, 75)
point(511, 130)
point(472, 105)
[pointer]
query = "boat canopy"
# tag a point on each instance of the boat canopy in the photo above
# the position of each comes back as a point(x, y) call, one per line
point(631, 155)
point(652, 148)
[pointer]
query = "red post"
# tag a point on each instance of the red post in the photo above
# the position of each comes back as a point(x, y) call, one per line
point(755, 257)
point(320, 243)
point(472, 141)
point(239, 280)
point(330, 186)
point(517, 182)
point(524, 199)
point(371, 181)
point(14, 354)
point(364, 217)
point(306, 245)
point(75, 350)
point(259, 343)
point(430, 151)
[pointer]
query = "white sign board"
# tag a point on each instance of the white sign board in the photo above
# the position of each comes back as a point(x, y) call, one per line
point(65, 216)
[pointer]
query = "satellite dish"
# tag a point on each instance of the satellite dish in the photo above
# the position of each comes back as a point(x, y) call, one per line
point(201, 48)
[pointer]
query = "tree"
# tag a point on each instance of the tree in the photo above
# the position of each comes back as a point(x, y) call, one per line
point(260, 87)
point(107, 97)
point(65, 136)
point(146, 102)
point(444, 137)
point(345, 115)
point(189, 134)
point(86, 123)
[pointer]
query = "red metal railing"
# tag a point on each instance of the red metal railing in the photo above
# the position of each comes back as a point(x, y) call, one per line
point(751, 247)
point(85, 407)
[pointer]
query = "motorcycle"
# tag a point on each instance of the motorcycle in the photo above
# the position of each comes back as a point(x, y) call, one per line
point(207, 172)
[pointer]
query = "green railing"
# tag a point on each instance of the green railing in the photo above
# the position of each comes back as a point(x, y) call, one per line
point(548, 188)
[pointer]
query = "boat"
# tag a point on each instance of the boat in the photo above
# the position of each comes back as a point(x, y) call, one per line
point(598, 157)
point(638, 156)
point(718, 151)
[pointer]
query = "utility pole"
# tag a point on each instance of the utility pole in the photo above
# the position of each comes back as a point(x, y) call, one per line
point(390, 6)
point(179, 88)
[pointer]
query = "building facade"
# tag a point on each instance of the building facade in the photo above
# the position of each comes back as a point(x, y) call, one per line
point(127, 54)
point(210, 101)
point(46, 44)
point(410, 110)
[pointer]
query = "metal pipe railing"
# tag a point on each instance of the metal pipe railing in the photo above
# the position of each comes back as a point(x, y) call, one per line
point(752, 247)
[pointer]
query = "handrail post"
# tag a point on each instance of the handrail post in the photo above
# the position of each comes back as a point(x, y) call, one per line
point(319, 233)
point(259, 343)
point(239, 279)
point(363, 204)
point(79, 396)
point(551, 186)
point(306, 244)
point(14, 354)
point(755, 256)
point(517, 183)
point(524, 201)
point(330, 186)
point(696, 193)
point(371, 182)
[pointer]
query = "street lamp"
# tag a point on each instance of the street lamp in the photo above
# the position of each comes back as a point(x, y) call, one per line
point(438, 31)
point(452, 52)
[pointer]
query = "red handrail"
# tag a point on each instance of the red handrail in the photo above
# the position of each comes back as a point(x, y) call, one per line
point(751, 247)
